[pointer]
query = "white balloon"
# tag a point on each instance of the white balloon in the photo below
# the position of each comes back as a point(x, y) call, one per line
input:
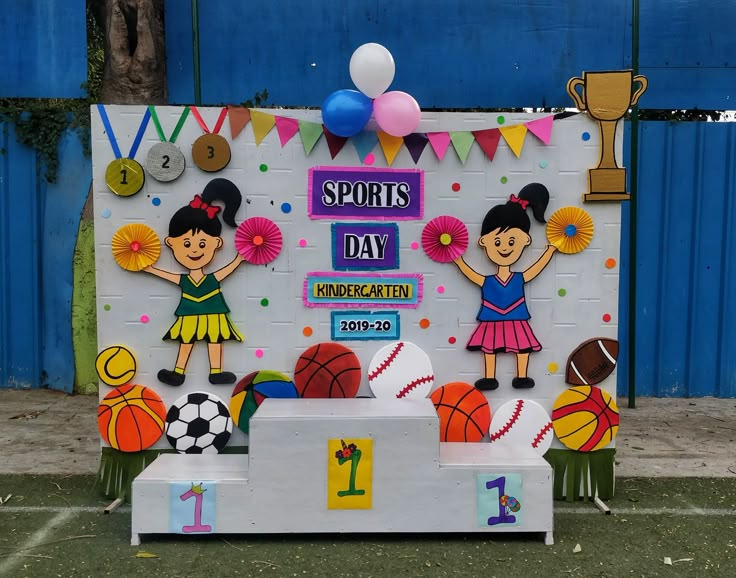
point(372, 69)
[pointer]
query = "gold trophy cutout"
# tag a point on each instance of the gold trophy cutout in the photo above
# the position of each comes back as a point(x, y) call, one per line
point(606, 96)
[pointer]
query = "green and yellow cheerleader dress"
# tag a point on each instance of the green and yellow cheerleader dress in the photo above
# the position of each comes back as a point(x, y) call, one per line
point(202, 314)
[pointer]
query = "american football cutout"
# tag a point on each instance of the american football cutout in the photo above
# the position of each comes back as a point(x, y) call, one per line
point(592, 361)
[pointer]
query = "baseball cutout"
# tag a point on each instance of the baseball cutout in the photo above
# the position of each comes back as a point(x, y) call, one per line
point(522, 422)
point(400, 370)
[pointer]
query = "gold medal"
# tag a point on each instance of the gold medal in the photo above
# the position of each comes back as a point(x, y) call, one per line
point(124, 177)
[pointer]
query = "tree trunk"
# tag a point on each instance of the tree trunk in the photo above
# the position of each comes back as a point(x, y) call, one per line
point(135, 50)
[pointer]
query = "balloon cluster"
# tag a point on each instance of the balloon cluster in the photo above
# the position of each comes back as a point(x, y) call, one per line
point(345, 112)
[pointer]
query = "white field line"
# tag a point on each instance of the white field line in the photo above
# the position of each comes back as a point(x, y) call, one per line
point(577, 510)
point(11, 562)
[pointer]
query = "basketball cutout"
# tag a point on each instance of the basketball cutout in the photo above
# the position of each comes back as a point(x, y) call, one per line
point(400, 370)
point(250, 392)
point(116, 365)
point(211, 152)
point(198, 423)
point(522, 423)
point(463, 411)
point(592, 361)
point(327, 370)
point(131, 418)
point(585, 418)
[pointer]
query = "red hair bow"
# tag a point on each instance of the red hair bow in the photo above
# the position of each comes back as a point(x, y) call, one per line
point(514, 199)
point(198, 203)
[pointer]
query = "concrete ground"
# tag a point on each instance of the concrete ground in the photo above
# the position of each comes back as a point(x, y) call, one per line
point(45, 432)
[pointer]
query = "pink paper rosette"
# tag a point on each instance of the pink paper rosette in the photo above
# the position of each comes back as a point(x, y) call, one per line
point(444, 239)
point(258, 240)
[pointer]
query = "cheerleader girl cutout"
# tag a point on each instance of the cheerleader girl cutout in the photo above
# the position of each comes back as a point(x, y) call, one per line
point(503, 318)
point(202, 314)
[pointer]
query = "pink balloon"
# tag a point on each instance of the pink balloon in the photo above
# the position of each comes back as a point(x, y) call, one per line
point(397, 113)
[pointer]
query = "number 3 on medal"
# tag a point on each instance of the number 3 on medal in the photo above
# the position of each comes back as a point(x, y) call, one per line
point(124, 177)
point(211, 152)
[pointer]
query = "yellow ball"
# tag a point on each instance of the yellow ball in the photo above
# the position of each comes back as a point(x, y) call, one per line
point(116, 365)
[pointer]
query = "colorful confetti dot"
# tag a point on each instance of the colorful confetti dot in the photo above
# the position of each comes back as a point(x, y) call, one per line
point(414, 246)
point(259, 353)
point(610, 263)
point(107, 307)
point(500, 119)
point(543, 164)
point(264, 302)
point(456, 187)
point(263, 168)
point(155, 201)
point(302, 242)
point(586, 136)
point(504, 180)
point(106, 213)
point(562, 292)
point(451, 340)
point(441, 289)
point(553, 367)
point(424, 323)
point(606, 318)
point(286, 207)
point(307, 331)
point(145, 318)
point(370, 158)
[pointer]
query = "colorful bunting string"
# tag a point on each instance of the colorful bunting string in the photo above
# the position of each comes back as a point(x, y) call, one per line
point(488, 141)
point(262, 124)
point(439, 141)
point(310, 133)
point(287, 128)
point(462, 141)
point(416, 143)
point(239, 118)
point(390, 145)
point(364, 142)
point(514, 137)
point(334, 142)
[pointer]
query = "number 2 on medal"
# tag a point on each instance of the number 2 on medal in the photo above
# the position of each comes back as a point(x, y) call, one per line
point(124, 178)
point(165, 164)
point(210, 152)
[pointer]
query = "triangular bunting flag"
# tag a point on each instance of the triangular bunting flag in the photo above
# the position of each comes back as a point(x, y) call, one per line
point(514, 137)
point(239, 118)
point(390, 145)
point(488, 141)
point(462, 141)
point(310, 133)
point(439, 141)
point(334, 142)
point(541, 128)
point(416, 143)
point(364, 142)
point(287, 128)
point(262, 124)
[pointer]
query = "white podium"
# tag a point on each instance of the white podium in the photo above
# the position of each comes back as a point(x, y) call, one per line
point(291, 481)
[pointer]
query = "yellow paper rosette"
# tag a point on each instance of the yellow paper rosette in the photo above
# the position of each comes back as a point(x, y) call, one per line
point(570, 229)
point(135, 246)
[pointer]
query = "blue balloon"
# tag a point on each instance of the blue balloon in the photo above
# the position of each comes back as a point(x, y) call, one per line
point(346, 112)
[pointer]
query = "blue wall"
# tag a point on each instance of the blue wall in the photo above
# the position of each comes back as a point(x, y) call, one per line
point(38, 231)
point(686, 261)
point(44, 48)
point(448, 53)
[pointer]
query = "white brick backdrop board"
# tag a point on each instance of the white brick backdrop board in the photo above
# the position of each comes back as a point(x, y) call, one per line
point(560, 322)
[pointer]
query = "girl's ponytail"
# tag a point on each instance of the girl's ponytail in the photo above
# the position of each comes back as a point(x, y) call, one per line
point(225, 191)
point(538, 197)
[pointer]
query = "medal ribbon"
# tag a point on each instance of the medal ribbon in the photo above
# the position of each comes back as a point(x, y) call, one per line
point(111, 134)
point(200, 120)
point(160, 131)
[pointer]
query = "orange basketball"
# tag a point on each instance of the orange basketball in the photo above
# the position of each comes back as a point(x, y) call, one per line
point(327, 370)
point(465, 415)
point(131, 418)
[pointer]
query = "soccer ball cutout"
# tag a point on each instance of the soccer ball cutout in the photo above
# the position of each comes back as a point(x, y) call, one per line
point(198, 423)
